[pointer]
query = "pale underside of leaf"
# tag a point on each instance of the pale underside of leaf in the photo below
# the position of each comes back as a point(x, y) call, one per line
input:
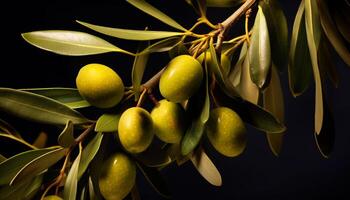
point(107, 123)
point(313, 32)
point(206, 167)
point(129, 34)
point(274, 102)
point(71, 43)
point(137, 72)
point(71, 184)
point(154, 12)
point(247, 89)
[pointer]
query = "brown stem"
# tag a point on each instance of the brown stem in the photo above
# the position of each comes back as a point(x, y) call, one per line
point(153, 81)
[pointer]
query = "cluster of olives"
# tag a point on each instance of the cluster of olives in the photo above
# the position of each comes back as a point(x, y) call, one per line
point(103, 88)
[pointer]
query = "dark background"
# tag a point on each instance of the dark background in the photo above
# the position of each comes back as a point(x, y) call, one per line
point(299, 173)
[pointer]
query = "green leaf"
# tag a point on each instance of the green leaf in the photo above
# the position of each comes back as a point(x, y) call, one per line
point(68, 96)
point(16, 139)
point(66, 138)
point(33, 187)
point(18, 191)
point(11, 166)
point(327, 66)
point(250, 113)
point(235, 73)
point(155, 179)
point(71, 184)
point(247, 89)
point(8, 129)
point(70, 43)
point(278, 31)
point(177, 50)
point(92, 194)
point(154, 156)
point(38, 165)
point(131, 34)
point(2, 158)
point(274, 102)
point(325, 140)
point(154, 12)
point(194, 133)
point(37, 108)
point(299, 67)
point(206, 167)
point(138, 69)
point(332, 33)
point(313, 33)
point(89, 153)
point(107, 123)
point(223, 4)
point(163, 45)
point(259, 51)
point(41, 139)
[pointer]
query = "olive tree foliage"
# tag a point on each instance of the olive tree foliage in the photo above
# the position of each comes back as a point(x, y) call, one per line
point(241, 72)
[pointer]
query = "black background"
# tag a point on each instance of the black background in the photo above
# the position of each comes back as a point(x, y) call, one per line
point(299, 173)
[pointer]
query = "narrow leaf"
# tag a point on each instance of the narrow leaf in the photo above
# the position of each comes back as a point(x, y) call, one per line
point(247, 89)
point(89, 153)
point(250, 113)
point(274, 102)
point(299, 67)
point(68, 96)
point(195, 131)
point(66, 138)
point(177, 50)
point(71, 185)
point(206, 167)
point(259, 51)
point(11, 166)
point(41, 140)
point(71, 43)
point(107, 123)
point(278, 31)
point(16, 139)
point(38, 165)
point(313, 33)
point(131, 34)
point(15, 191)
point(138, 69)
point(2, 158)
point(154, 12)
point(327, 66)
point(8, 129)
point(155, 179)
point(161, 46)
point(37, 108)
point(33, 187)
point(332, 33)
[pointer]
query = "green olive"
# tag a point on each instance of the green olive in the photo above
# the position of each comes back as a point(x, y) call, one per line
point(100, 85)
point(52, 197)
point(181, 79)
point(226, 131)
point(135, 129)
point(117, 178)
point(168, 118)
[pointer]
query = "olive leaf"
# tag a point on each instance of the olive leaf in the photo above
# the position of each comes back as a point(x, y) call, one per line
point(9, 129)
point(195, 131)
point(38, 165)
point(313, 33)
point(11, 166)
point(154, 12)
point(37, 108)
point(206, 167)
point(138, 69)
point(16, 139)
point(131, 34)
point(278, 31)
point(154, 156)
point(2, 158)
point(299, 66)
point(33, 187)
point(163, 45)
point(177, 50)
point(71, 184)
point(41, 140)
point(155, 179)
point(70, 43)
point(274, 102)
point(24, 190)
point(332, 33)
point(259, 52)
point(247, 89)
point(89, 153)
point(107, 123)
point(67, 96)
point(66, 138)
point(327, 66)
point(236, 72)
point(250, 113)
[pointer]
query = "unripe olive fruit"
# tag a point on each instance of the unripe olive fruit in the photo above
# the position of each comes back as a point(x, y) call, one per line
point(135, 129)
point(225, 62)
point(181, 79)
point(52, 197)
point(168, 119)
point(100, 85)
point(117, 178)
point(226, 131)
